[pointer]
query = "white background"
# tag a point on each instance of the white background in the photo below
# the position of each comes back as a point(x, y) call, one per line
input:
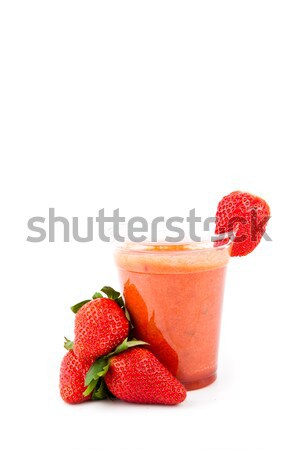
point(153, 107)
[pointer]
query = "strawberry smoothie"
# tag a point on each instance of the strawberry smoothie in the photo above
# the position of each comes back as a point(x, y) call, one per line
point(174, 295)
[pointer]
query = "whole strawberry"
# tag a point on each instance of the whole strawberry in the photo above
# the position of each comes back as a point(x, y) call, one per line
point(72, 375)
point(100, 325)
point(137, 376)
point(246, 215)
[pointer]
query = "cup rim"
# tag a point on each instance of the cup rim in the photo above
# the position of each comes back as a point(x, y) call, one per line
point(211, 242)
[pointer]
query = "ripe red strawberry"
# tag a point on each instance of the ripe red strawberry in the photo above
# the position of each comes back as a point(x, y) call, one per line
point(247, 215)
point(71, 381)
point(137, 376)
point(100, 325)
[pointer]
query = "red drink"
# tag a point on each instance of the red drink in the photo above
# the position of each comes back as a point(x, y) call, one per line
point(174, 295)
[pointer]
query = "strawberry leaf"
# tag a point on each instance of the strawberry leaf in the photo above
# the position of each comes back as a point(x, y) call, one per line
point(90, 388)
point(103, 371)
point(97, 295)
point(110, 292)
point(68, 344)
point(120, 302)
point(125, 345)
point(95, 368)
point(77, 307)
point(100, 393)
point(135, 342)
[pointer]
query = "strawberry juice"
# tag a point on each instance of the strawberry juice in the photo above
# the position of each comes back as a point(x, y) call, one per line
point(174, 296)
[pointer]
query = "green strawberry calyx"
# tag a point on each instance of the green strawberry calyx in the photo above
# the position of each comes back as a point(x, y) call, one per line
point(94, 379)
point(110, 293)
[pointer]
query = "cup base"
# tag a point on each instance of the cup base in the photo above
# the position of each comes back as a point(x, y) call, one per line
point(200, 383)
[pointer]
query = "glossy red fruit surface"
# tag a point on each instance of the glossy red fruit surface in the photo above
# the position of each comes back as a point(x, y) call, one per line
point(100, 325)
point(137, 376)
point(245, 214)
point(71, 381)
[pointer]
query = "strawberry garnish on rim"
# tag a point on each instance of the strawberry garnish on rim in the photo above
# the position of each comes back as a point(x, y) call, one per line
point(246, 216)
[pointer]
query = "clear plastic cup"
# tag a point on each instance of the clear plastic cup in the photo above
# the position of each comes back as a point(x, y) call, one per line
point(174, 295)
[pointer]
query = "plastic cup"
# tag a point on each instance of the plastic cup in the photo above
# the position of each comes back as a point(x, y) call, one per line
point(174, 295)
